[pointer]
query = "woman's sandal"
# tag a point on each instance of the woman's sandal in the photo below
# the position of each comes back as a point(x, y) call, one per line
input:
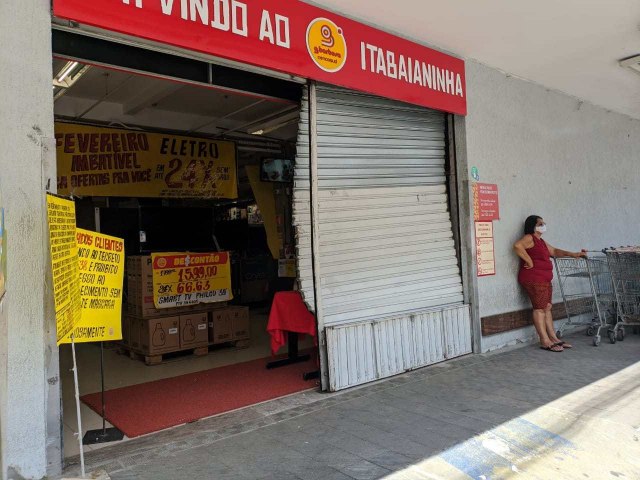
point(563, 344)
point(553, 348)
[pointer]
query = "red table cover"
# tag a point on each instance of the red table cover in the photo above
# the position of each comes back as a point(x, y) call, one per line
point(289, 314)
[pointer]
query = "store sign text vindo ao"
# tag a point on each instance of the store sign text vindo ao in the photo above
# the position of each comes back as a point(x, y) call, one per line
point(292, 37)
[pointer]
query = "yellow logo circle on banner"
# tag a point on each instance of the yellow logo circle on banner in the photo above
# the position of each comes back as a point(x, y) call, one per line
point(327, 45)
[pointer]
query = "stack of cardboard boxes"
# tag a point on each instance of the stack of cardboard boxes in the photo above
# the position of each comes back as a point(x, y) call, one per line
point(153, 331)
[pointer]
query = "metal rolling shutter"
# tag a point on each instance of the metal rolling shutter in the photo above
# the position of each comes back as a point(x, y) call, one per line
point(386, 248)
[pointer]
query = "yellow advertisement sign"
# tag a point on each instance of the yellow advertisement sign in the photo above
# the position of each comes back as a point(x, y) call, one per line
point(265, 196)
point(183, 279)
point(61, 214)
point(111, 162)
point(101, 275)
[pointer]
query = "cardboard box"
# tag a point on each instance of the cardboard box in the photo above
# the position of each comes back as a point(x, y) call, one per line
point(240, 324)
point(194, 330)
point(257, 273)
point(159, 335)
point(135, 329)
point(126, 323)
point(220, 326)
point(254, 291)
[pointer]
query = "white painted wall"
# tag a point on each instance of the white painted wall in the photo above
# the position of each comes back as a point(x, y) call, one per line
point(574, 164)
point(29, 385)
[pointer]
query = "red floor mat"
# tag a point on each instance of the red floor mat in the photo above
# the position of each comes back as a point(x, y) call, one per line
point(149, 407)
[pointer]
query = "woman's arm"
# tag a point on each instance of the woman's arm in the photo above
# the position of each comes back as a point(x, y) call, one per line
point(520, 247)
point(558, 252)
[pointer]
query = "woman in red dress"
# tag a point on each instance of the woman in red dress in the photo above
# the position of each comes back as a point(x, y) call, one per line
point(536, 274)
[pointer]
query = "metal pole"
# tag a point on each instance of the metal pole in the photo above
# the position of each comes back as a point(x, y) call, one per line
point(104, 408)
point(75, 381)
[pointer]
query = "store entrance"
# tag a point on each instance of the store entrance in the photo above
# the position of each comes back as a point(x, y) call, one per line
point(181, 169)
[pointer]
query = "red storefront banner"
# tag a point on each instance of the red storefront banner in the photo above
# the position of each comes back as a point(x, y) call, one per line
point(290, 37)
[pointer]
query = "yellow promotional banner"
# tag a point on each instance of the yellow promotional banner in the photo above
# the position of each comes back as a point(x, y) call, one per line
point(111, 162)
point(101, 275)
point(183, 279)
point(61, 214)
point(266, 199)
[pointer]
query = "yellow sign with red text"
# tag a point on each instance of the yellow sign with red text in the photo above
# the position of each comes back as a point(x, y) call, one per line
point(184, 279)
point(101, 275)
point(61, 214)
point(111, 162)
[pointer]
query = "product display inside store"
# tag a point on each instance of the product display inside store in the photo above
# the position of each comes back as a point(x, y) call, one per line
point(197, 181)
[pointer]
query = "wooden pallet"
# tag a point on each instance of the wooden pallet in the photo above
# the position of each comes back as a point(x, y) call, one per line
point(241, 344)
point(237, 344)
point(159, 359)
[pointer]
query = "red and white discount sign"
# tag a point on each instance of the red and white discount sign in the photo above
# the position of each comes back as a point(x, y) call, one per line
point(291, 37)
point(486, 202)
point(183, 279)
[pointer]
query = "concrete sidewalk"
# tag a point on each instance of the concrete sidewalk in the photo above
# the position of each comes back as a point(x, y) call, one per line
point(524, 413)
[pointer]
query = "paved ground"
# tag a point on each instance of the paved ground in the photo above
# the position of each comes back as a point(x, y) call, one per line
point(524, 414)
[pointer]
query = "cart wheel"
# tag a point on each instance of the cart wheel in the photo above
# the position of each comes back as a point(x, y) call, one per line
point(596, 340)
point(620, 335)
point(591, 331)
point(612, 336)
point(559, 334)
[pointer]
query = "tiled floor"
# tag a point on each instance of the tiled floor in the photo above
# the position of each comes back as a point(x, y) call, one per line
point(524, 413)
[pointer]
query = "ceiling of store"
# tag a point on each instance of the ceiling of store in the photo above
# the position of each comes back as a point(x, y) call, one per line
point(123, 99)
point(571, 45)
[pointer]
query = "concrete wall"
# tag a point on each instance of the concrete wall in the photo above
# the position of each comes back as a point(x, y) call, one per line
point(574, 164)
point(29, 387)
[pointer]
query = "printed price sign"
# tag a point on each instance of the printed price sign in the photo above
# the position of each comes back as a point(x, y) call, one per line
point(61, 214)
point(183, 279)
point(101, 275)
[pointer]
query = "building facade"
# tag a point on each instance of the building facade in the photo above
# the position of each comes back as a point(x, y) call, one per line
point(549, 153)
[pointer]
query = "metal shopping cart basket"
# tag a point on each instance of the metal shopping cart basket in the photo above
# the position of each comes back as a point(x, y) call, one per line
point(588, 295)
point(624, 264)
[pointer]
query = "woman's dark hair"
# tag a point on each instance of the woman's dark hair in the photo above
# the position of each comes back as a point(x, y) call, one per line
point(530, 224)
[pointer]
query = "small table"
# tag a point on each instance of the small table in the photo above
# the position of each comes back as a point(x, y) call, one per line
point(289, 315)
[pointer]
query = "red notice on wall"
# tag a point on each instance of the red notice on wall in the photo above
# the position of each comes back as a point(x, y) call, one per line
point(486, 204)
point(485, 249)
point(291, 37)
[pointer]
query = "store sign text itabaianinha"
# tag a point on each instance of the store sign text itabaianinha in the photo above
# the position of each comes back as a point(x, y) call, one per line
point(110, 162)
point(292, 37)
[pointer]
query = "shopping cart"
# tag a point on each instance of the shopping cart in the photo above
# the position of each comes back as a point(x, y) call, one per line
point(588, 294)
point(624, 264)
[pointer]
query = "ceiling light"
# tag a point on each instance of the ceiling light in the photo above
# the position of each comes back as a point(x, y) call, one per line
point(69, 74)
point(632, 63)
point(257, 132)
point(66, 70)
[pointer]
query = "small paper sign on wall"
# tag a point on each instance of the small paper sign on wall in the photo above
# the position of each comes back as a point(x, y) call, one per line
point(485, 250)
point(486, 204)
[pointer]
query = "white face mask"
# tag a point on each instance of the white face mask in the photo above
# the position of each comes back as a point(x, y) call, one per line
point(541, 229)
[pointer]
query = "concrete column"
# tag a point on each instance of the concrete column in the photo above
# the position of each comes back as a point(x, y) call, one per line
point(29, 381)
